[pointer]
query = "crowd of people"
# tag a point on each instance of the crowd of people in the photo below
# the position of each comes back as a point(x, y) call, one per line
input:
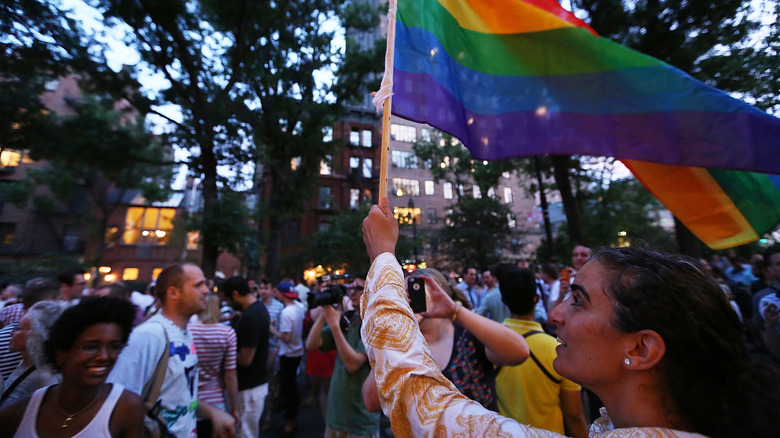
point(623, 342)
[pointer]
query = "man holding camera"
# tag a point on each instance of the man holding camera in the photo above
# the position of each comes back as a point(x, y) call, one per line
point(290, 338)
point(347, 415)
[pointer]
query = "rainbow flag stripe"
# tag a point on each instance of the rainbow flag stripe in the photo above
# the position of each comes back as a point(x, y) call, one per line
point(723, 208)
point(516, 78)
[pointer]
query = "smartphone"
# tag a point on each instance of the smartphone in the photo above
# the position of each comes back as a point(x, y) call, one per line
point(416, 288)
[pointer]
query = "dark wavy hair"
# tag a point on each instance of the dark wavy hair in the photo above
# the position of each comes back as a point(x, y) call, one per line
point(716, 389)
point(88, 312)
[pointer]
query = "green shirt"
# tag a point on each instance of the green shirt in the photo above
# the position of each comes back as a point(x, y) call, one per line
point(346, 410)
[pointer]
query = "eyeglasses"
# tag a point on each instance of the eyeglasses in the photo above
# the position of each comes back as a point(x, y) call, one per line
point(92, 349)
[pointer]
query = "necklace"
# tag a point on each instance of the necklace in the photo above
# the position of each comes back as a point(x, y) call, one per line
point(69, 417)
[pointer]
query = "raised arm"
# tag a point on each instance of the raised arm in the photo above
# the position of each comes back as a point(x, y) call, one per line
point(503, 346)
point(414, 394)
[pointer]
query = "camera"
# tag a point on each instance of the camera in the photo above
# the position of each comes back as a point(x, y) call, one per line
point(333, 294)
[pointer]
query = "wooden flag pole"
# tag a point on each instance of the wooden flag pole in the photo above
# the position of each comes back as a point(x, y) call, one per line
point(385, 95)
point(385, 152)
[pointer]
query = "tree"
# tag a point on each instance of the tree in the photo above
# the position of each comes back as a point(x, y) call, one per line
point(243, 75)
point(297, 109)
point(89, 153)
point(477, 228)
point(476, 231)
point(341, 245)
point(704, 39)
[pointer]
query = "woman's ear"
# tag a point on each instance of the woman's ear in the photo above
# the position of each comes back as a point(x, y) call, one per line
point(649, 350)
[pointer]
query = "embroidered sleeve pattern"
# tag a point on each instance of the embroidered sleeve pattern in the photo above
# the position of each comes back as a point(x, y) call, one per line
point(415, 396)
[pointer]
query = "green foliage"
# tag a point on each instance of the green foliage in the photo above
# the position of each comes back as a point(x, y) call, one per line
point(476, 231)
point(341, 243)
point(450, 161)
point(45, 265)
point(228, 222)
point(244, 75)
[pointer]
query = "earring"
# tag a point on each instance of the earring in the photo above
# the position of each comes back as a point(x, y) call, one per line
point(627, 361)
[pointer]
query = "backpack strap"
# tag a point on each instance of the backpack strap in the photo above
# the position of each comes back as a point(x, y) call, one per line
point(536, 360)
point(151, 391)
point(8, 391)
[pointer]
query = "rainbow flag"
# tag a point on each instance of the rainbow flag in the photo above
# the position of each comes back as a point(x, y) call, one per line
point(723, 208)
point(514, 78)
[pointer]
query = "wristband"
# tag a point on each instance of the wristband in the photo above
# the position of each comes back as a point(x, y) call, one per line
point(458, 305)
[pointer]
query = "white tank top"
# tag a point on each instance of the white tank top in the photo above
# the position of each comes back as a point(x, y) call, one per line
point(98, 427)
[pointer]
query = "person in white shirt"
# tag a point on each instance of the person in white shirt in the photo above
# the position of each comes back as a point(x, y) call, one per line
point(290, 335)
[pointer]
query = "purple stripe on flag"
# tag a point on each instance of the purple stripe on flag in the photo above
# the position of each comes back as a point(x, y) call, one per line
point(684, 138)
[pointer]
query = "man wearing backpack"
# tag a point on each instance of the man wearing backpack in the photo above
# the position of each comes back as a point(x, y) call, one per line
point(533, 393)
point(181, 289)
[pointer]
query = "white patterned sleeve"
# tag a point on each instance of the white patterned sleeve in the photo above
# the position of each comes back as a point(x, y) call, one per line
point(415, 396)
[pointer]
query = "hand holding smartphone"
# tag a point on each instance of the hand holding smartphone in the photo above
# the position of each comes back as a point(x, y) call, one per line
point(416, 289)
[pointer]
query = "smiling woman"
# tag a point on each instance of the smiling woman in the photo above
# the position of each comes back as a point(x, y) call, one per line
point(649, 332)
point(83, 345)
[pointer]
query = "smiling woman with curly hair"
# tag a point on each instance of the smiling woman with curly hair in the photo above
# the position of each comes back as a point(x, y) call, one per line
point(83, 345)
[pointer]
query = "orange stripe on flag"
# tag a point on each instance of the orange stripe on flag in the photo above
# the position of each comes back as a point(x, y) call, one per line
point(697, 200)
point(502, 16)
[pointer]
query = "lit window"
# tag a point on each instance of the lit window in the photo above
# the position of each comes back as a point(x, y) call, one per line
point(10, 158)
point(295, 163)
point(406, 215)
point(325, 165)
point(354, 198)
point(366, 138)
point(193, 237)
point(354, 138)
point(510, 220)
point(148, 225)
point(430, 188)
point(367, 167)
point(354, 163)
point(447, 188)
point(508, 198)
point(491, 193)
point(130, 274)
point(327, 134)
point(156, 272)
point(406, 186)
point(324, 198)
point(425, 134)
point(476, 192)
point(403, 133)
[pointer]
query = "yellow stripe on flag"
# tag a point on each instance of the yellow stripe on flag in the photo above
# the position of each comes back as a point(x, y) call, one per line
point(697, 200)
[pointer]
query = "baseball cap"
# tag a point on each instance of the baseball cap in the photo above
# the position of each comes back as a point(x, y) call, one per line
point(287, 289)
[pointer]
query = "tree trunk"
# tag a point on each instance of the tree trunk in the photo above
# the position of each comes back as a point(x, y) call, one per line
point(561, 172)
point(210, 249)
point(545, 210)
point(687, 242)
point(273, 260)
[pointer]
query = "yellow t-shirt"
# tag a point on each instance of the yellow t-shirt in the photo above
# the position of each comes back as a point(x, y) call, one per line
point(525, 392)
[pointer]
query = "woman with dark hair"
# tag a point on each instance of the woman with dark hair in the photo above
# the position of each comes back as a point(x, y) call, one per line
point(650, 333)
point(83, 345)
